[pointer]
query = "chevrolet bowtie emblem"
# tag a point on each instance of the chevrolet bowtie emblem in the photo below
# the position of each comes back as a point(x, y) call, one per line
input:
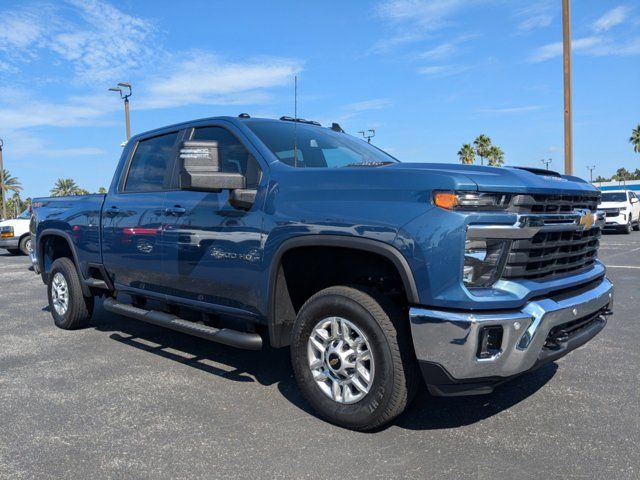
point(587, 219)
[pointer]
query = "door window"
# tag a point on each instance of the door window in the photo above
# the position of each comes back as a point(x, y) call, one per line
point(151, 164)
point(234, 156)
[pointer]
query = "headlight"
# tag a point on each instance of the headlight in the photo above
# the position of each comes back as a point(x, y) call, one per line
point(471, 201)
point(6, 232)
point(483, 262)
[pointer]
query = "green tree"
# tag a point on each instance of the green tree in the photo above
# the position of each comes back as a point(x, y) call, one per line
point(65, 186)
point(634, 139)
point(82, 191)
point(467, 154)
point(10, 184)
point(482, 143)
point(622, 174)
point(495, 155)
point(102, 190)
point(601, 179)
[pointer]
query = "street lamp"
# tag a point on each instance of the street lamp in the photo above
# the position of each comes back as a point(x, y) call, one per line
point(4, 206)
point(124, 89)
point(546, 162)
point(591, 168)
point(371, 133)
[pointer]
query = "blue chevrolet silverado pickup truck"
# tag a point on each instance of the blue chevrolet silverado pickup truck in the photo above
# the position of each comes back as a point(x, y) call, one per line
point(249, 231)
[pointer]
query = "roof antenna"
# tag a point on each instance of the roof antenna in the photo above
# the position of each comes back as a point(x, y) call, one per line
point(295, 122)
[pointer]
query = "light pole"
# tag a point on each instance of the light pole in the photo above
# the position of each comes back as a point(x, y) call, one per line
point(591, 168)
point(546, 162)
point(566, 63)
point(371, 133)
point(124, 89)
point(4, 206)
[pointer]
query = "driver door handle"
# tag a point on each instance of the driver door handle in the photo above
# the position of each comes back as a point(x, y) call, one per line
point(175, 210)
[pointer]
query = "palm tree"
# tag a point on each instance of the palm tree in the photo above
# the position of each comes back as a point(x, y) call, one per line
point(65, 186)
point(635, 139)
point(482, 144)
point(467, 154)
point(102, 190)
point(9, 184)
point(495, 155)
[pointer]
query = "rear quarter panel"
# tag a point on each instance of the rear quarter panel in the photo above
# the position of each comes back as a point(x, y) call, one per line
point(76, 219)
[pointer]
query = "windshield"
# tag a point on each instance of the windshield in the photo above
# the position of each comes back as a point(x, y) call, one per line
point(614, 197)
point(316, 146)
point(25, 215)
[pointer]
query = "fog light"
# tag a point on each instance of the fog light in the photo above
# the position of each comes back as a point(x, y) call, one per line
point(483, 262)
point(490, 342)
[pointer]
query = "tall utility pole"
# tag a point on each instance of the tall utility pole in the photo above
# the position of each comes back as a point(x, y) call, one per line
point(124, 89)
point(566, 57)
point(546, 162)
point(4, 205)
point(591, 168)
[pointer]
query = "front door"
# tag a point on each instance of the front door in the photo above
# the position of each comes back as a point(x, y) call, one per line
point(213, 249)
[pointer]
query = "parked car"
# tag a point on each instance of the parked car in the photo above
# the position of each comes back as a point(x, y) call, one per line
point(14, 234)
point(622, 208)
point(371, 270)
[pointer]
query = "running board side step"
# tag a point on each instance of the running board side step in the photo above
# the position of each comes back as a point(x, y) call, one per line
point(233, 338)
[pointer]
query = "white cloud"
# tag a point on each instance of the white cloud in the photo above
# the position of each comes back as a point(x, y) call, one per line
point(99, 41)
point(203, 78)
point(613, 17)
point(412, 20)
point(596, 46)
point(373, 104)
point(76, 111)
point(534, 16)
point(445, 50)
point(442, 70)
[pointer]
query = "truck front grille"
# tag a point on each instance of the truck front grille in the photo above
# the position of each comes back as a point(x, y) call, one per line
point(553, 203)
point(550, 254)
point(554, 253)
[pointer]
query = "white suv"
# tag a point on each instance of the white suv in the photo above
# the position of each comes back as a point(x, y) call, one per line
point(14, 234)
point(622, 208)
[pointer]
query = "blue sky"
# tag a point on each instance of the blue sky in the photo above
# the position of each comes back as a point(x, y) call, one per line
point(427, 75)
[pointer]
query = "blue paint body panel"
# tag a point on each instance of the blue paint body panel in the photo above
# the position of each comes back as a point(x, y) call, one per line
point(221, 256)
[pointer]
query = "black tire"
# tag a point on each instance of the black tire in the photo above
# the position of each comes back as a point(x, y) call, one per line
point(387, 330)
point(14, 251)
point(24, 244)
point(80, 308)
point(636, 227)
point(627, 228)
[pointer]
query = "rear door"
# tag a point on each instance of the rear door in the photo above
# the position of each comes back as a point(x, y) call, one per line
point(213, 249)
point(133, 216)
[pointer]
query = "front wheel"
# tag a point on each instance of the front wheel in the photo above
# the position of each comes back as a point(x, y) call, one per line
point(25, 245)
point(352, 357)
point(627, 227)
point(636, 227)
point(69, 307)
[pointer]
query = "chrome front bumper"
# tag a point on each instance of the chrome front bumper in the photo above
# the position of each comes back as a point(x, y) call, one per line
point(447, 341)
point(34, 260)
point(10, 242)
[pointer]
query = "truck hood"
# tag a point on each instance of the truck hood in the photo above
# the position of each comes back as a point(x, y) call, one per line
point(15, 222)
point(505, 179)
point(613, 205)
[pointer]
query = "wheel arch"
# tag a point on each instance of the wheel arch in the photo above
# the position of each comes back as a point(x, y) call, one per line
point(280, 322)
point(45, 264)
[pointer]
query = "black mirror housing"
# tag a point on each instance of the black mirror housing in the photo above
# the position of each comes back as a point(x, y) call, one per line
point(201, 168)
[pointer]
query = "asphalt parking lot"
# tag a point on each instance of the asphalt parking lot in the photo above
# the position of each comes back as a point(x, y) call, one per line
point(128, 400)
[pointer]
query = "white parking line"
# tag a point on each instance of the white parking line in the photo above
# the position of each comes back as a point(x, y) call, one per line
point(622, 266)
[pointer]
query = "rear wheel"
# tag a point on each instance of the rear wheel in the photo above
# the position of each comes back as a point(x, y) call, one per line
point(353, 358)
point(25, 245)
point(70, 309)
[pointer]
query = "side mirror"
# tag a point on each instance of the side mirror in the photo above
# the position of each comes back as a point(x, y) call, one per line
point(201, 168)
point(634, 200)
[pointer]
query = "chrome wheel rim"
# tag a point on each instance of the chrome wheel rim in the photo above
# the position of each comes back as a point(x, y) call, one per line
point(60, 294)
point(28, 245)
point(340, 360)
